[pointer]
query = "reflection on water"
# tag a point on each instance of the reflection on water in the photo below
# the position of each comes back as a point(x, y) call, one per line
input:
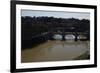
point(55, 51)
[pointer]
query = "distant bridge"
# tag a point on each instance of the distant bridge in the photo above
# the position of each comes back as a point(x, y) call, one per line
point(49, 35)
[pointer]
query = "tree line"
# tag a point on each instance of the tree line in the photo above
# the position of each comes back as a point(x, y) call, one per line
point(42, 24)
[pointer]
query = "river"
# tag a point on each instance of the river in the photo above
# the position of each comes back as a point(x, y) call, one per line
point(55, 50)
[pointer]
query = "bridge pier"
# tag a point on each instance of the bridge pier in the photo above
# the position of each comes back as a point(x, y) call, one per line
point(76, 39)
point(76, 36)
point(63, 38)
point(50, 35)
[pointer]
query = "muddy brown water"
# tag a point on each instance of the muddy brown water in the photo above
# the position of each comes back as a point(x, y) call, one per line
point(55, 51)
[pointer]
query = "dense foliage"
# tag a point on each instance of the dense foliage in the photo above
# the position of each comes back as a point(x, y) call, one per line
point(42, 24)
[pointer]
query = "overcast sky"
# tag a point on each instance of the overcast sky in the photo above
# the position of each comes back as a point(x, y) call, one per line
point(58, 14)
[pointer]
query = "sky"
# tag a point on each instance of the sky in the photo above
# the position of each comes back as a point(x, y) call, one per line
point(56, 14)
